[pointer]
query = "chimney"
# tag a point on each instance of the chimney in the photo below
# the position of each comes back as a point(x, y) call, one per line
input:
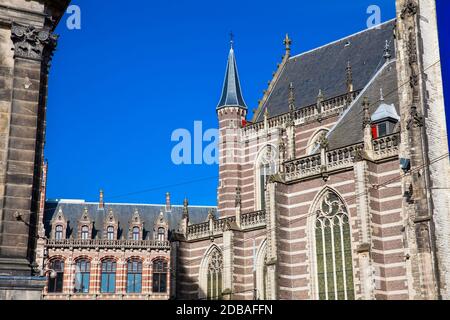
point(101, 202)
point(168, 205)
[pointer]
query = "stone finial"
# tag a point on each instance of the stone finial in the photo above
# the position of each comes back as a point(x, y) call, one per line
point(238, 200)
point(387, 51)
point(168, 202)
point(185, 208)
point(287, 44)
point(349, 77)
point(366, 106)
point(101, 202)
point(291, 97)
point(211, 215)
point(381, 95)
point(320, 98)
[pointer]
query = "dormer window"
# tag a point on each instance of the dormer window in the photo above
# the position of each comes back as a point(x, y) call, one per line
point(110, 233)
point(59, 232)
point(136, 233)
point(161, 234)
point(84, 233)
point(384, 119)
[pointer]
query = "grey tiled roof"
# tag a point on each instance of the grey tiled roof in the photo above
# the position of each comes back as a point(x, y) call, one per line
point(349, 129)
point(231, 92)
point(325, 69)
point(123, 213)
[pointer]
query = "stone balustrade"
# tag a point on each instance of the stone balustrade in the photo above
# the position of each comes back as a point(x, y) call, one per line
point(339, 159)
point(342, 158)
point(303, 167)
point(108, 244)
point(204, 230)
point(386, 147)
point(253, 220)
point(329, 107)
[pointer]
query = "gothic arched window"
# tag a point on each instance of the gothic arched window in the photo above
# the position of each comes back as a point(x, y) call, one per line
point(84, 233)
point(82, 276)
point(266, 167)
point(314, 143)
point(333, 249)
point(108, 276)
point(160, 276)
point(215, 269)
point(134, 276)
point(59, 232)
point(56, 284)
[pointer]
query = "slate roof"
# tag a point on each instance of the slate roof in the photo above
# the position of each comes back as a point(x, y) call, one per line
point(349, 129)
point(123, 212)
point(324, 69)
point(231, 92)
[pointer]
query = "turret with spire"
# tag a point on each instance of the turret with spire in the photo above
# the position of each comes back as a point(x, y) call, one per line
point(232, 113)
point(232, 92)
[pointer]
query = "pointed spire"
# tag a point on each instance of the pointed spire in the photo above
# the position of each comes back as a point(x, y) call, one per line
point(287, 43)
point(231, 92)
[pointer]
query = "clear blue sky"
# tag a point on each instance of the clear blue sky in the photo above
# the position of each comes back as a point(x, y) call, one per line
point(136, 72)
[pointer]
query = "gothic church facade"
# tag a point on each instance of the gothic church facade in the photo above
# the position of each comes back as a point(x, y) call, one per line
point(337, 189)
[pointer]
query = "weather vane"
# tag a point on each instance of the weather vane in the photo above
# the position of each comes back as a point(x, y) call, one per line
point(231, 38)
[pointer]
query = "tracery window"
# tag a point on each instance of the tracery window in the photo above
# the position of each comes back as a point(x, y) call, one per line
point(266, 167)
point(134, 276)
point(108, 276)
point(59, 232)
point(160, 276)
point(55, 285)
point(333, 249)
point(82, 276)
point(215, 269)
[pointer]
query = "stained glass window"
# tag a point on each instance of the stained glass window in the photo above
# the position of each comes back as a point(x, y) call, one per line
point(334, 250)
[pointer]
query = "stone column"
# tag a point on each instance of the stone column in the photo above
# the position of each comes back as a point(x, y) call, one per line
point(363, 210)
point(228, 264)
point(20, 173)
point(272, 252)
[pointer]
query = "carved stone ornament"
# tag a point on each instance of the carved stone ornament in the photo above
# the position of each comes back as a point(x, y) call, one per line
point(409, 9)
point(32, 43)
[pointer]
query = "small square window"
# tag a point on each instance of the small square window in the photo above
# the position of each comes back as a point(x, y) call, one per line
point(382, 129)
